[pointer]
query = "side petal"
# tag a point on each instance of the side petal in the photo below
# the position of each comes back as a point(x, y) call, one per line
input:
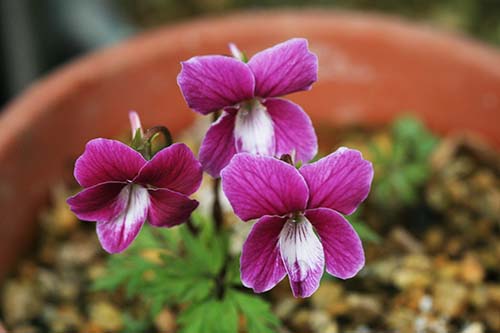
point(284, 68)
point(101, 202)
point(261, 185)
point(261, 265)
point(116, 235)
point(293, 130)
point(210, 83)
point(340, 181)
point(169, 208)
point(343, 249)
point(218, 146)
point(175, 168)
point(107, 160)
point(302, 255)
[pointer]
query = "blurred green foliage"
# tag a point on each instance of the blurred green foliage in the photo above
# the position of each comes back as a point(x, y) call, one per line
point(480, 18)
point(364, 231)
point(403, 168)
point(172, 267)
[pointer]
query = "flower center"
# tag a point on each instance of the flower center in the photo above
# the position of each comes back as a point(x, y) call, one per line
point(253, 129)
point(296, 217)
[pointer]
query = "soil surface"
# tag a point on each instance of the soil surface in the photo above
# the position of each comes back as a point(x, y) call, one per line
point(434, 269)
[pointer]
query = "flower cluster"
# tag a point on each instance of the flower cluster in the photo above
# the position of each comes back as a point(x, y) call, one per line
point(252, 147)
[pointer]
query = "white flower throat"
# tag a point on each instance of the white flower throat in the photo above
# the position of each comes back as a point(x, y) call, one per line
point(300, 248)
point(253, 130)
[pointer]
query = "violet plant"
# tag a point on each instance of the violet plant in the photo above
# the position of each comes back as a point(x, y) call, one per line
point(254, 142)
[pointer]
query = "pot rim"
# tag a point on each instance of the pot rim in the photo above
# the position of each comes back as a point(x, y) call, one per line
point(33, 101)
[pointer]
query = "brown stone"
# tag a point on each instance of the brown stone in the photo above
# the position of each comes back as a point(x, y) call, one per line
point(471, 270)
point(363, 308)
point(450, 298)
point(21, 302)
point(165, 321)
point(330, 297)
point(106, 316)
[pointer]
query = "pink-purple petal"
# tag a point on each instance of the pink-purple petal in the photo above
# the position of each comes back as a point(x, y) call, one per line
point(343, 249)
point(262, 185)
point(218, 146)
point(169, 208)
point(175, 168)
point(261, 264)
point(284, 68)
point(107, 160)
point(302, 255)
point(340, 181)
point(116, 235)
point(210, 83)
point(101, 202)
point(293, 130)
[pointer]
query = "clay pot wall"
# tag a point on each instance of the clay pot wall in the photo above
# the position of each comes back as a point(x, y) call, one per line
point(371, 69)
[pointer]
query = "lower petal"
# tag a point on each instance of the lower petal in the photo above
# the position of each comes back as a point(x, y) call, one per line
point(117, 234)
point(101, 202)
point(218, 146)
point(169, 208)
point(261, 264)
point(293, 130)
point(253, 129)
point(302, 255)
point(343, 249)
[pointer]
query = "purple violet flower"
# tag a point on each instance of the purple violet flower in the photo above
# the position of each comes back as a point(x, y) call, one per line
point(122, 189)
point(254, 119)
point(300, 228)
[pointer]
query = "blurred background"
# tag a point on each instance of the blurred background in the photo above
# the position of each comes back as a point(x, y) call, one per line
point(38, 35)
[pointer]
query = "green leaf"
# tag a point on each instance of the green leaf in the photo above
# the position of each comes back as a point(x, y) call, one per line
point(365, 232)
point(233, 273)
point(133, 325)
point(257, 312)
point(211, 316)
point(403, 170)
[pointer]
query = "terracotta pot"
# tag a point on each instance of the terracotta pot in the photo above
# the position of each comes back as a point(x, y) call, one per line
point(371, 69)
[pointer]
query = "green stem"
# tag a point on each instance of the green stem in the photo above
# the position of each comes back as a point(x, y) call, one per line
point(219, 281)
point(191, 227)
point(216, 206)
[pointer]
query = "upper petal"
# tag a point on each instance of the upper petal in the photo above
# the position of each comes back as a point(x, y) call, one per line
point(218, 146)
point(293, 130)
point(169, 208)
point(302, 255)
point(116, 235)
point(210, 83)
point(101, 202)
point(175, 168)
point(284, 68)
point(261, 265)
point(107, 160)
point(339, 181)
point(343, 249)
point(262, 185)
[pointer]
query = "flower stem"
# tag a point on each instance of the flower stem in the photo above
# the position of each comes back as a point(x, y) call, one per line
point(219, 282)
point(191, 227)
point(216, 207)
